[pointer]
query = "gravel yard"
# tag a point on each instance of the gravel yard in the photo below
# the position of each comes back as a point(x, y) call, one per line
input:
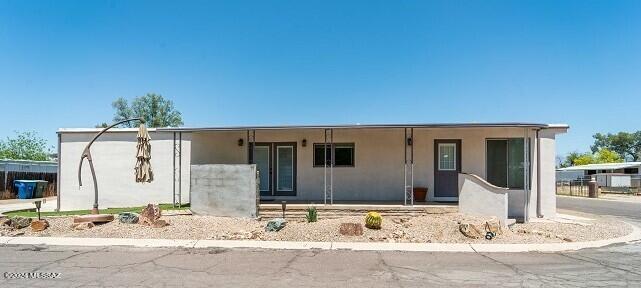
point(442, 228)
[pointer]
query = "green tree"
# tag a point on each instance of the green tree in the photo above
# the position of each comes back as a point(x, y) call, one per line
point(25, 146)
point(627, 145)
point(156, 110)
point(602, 156)
point(570, 159)
point(608, 156)
point(584, 159)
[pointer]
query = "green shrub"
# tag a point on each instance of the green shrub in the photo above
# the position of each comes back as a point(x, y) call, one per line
point(373, 220)
point(312, 214)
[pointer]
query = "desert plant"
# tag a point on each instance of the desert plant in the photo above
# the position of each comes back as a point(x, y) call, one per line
point(312, 214)
point(373, 220)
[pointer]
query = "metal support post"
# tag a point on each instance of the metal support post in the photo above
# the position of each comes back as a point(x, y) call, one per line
point(331, 167)
point(526, 190)
point(408, 166)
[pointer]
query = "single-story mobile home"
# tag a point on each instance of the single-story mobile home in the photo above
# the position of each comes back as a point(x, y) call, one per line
point(325, 163)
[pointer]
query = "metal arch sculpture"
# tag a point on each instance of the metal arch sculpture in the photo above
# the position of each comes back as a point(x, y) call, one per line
point(86, 153)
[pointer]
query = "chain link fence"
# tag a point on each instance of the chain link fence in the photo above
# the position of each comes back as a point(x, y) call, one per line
point(608, 183)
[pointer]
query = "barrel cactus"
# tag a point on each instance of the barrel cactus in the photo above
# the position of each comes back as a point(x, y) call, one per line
point(373, 220)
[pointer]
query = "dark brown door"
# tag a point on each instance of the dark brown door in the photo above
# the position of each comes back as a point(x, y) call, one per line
point(276, 164)
point(447, 166)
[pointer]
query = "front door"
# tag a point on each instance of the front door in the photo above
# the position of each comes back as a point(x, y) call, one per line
point(276, 164)
point(447, 165)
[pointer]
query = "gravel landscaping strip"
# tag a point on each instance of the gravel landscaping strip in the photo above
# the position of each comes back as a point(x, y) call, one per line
point(434, 228)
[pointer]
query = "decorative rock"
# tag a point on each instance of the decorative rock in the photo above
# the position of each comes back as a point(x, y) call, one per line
point(94, 218)
point(149, 214)
point(39, 225)
point(351, 229)
point(470, 230)
point(159, 223)
point(5, 222)
point(494, 226)
point(20, 222)
point(128, 218)
point(83, 225)
point(275, 225)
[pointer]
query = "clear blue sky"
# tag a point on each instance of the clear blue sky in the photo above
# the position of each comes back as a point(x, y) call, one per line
point(62, 63)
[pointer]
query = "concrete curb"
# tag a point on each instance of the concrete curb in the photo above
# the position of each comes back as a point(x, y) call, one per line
point(635, 235)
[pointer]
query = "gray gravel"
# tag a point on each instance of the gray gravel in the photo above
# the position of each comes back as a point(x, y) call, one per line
point(442, 228)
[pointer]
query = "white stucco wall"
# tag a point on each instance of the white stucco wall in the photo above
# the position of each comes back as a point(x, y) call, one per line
point(114, 161)
point(548, 175)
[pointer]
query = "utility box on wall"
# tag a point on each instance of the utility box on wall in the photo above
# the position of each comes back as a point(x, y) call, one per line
point(224, 190)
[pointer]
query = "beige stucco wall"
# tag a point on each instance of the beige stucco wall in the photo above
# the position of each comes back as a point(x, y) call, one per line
point(378, 171)
point(114, 161)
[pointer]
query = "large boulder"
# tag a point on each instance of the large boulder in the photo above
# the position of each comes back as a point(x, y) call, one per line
point(149, 214)
point(19, 222)
point(275, 225)
point(128, 218)
point(470, 230)
point(351, 229)
point(39, 225)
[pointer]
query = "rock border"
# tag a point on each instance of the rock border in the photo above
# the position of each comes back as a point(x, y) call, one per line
point(635, 235)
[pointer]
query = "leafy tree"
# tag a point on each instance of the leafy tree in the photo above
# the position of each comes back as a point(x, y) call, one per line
point(608, 156)
point(25, 146)
point(102, 125)
point(584, 159)
point(156, 110)
point(602, 156)
point(570, 159)
point(627, 145)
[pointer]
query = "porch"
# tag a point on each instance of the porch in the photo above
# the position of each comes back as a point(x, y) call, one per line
point(371, 163)
point(297, 209)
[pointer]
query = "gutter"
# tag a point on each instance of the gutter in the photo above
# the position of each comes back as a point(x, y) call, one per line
point(539, 213)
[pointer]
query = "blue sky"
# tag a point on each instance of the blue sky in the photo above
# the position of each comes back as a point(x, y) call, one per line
point(62, 63)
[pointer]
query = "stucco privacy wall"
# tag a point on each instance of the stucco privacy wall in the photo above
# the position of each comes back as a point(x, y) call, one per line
point(114, 161)
point(378, 171)
point(478, 197)
point(224, 190)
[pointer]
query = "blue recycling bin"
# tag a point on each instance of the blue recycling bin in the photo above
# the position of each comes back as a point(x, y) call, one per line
point(25, 188)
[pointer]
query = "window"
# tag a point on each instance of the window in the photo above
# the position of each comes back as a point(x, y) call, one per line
point(446, 156)
point(504, 162)
point(343, 155)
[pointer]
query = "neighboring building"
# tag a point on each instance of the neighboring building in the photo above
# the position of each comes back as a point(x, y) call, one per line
point(624, 174)
point(630, 168)
point(371, 162)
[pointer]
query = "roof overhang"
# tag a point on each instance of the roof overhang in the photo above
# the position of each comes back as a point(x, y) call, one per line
point(561, 127)
point(604, 166)
point(370, 126)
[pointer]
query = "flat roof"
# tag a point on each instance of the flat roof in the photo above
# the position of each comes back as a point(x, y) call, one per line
point(372, 126)
point(603, 166)
point(337, 126)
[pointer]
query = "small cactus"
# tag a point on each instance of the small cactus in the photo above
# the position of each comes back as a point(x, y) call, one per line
point(373, 220)
point(312, 214)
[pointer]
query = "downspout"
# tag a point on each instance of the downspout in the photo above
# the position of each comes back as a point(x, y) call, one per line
point(539, 213)
point(526, 190)
point(58, 174)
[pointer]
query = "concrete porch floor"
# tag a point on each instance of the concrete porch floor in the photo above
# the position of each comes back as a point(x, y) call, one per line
point(355, 205)
point(297, 209)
